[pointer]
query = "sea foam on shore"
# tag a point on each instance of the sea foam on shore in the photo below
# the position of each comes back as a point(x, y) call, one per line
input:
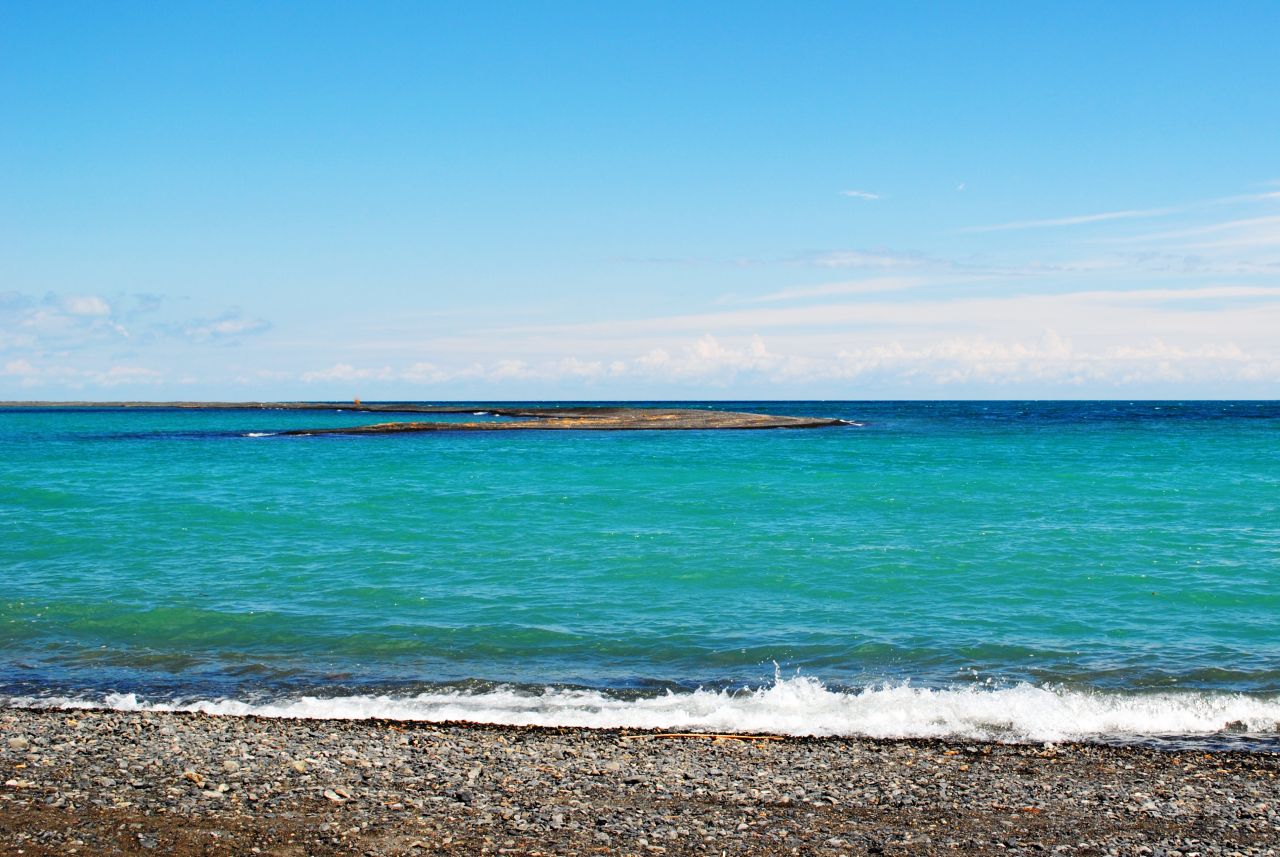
point(791, 706)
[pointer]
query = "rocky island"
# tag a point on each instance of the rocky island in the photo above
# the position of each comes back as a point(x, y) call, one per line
point(592, 419)
point(578, 418)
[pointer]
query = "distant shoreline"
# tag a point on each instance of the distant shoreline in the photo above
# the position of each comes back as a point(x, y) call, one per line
point(575, 418)
point(371, 407)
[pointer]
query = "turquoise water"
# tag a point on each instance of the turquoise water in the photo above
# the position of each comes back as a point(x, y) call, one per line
point(1018, 569)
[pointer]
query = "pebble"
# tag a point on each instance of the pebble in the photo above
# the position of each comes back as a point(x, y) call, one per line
point(311, 787)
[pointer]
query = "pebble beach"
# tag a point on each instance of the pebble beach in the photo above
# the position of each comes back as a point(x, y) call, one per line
point(639, 430)
point(105, 782)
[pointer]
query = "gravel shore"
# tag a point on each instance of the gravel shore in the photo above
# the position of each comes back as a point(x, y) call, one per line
point(99, 782)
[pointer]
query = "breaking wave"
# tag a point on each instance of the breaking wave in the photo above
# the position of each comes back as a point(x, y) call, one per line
point(790, 706)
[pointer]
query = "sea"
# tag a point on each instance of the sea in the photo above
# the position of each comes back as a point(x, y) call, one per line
point(1013, 571)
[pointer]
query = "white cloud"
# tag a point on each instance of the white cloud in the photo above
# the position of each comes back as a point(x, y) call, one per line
point(424, 373)
point(88, 305)
point(852, 287)
point(1055, 360)
point(45, 321)
point(1193, 308)
point(860, 194)
point(118, 375)
point(706, 360)
point(227, 326)
point(507, 370)
point(1248, 310)
point(37, 375)
point(232, 327)
point(20, 368)
point(588, 370)
point(9, 341)
point(860, 259)
point(260, 375)
point(963, 361)
point(346, 372)
point(1051, 360)
point(80, 322)
point(502, 370)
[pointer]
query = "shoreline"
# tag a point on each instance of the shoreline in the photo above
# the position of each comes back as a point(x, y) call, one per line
point(184, 783)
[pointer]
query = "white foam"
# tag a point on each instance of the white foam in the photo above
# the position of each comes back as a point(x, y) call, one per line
point(260, 434)
point(795, 706)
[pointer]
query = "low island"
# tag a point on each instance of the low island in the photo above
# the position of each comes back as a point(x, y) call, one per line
point(577, 418)
point(592, 419)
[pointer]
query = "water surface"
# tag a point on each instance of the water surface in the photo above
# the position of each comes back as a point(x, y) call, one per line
point(1085, 569)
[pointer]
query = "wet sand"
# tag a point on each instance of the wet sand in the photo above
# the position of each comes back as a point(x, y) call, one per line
point(95, 782)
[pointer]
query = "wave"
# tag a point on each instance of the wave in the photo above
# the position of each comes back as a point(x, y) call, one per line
point(801, 706)
point(260, 434)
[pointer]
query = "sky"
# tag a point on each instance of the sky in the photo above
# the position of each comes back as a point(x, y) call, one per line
point(653, 200)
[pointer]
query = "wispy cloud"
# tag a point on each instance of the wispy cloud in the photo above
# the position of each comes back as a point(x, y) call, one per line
point(964, 361)
point(853, 287)
point(90, 305)
point(1249, 311)
point(44, 374)
point(877, 258)
point(1126, 214)
point(860, 194)
point(1075, 220)
point(67, 323)
point(1192, 300)
point(494, 372)
point(64, 321)
point(347, 372)
point(229, 325)
point(864, 259)
point(1245, 232)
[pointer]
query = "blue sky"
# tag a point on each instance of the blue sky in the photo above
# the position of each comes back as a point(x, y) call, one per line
point(553, 200)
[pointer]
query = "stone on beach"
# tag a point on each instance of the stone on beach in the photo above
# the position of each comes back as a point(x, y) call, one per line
point(130, 783)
